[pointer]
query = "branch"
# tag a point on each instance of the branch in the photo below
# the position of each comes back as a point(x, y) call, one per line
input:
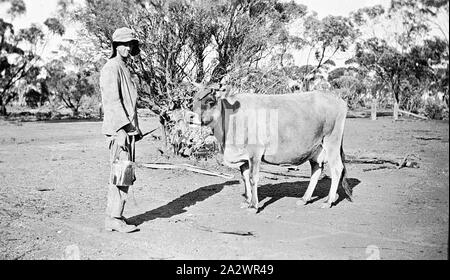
point(68, 103)
point(412, 114)
point(12, 81)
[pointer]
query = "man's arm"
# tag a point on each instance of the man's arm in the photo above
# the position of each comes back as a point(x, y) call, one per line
point(110, 88)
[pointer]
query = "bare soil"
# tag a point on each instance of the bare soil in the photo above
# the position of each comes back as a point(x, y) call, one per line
point(53, 178)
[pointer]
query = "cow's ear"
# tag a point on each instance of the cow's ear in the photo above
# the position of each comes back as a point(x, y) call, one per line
point(222, 92)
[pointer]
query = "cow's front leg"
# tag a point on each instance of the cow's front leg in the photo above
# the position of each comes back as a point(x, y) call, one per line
point(254, 180)
point(245, 172)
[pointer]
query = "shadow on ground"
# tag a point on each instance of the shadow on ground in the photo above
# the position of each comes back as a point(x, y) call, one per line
point(297, 189)
point(274, 191)
point(178, 205)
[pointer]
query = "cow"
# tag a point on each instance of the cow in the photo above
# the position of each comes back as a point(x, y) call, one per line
point(277, 129)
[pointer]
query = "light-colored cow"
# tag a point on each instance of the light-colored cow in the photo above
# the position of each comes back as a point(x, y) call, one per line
point(277, 129)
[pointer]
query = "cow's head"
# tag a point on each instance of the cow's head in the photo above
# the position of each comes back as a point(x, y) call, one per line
point(207, 103)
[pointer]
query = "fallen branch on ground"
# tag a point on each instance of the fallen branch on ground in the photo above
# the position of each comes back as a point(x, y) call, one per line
point(405, 162)
point(367, 114)
point(428, 138)
point(378, 168)
point(412, 114)
point(186, 167)
point(367, 160)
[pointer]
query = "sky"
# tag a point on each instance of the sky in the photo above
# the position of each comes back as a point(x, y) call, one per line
point(339, 7)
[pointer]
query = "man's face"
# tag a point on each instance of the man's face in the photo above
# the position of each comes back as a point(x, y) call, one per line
point(124, 50)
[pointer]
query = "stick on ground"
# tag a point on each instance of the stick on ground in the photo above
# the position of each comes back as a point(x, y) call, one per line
point(186, 167)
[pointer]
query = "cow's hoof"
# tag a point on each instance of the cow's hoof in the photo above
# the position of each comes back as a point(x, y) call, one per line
point(302, 202)
point(325, 205)
point(252, 210)
point(336, 197)
point(245, 204)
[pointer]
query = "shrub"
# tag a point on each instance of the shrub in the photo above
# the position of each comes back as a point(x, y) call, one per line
point(190, 141)
point(434, 110)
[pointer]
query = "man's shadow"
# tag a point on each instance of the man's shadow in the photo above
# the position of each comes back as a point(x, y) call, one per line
point(297, 190)
point(178, 205)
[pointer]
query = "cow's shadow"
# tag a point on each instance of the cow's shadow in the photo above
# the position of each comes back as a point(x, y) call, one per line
point(296, 189)
point(273, 191)
point(179, 205)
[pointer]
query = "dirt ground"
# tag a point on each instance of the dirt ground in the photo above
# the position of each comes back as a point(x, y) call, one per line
point(53, 179)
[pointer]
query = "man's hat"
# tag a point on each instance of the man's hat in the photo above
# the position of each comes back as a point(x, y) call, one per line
point(124, 34)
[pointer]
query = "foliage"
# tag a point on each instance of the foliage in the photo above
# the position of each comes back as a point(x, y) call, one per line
point(182, 41)
point(405, 73)
point(70, 87)
point(187, 141)
point(351, 85)
point(410, 64)
point(435, 110)
point(18, 52)
point(324, 38)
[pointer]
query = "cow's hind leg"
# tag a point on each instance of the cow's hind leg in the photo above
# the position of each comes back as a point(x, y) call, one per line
point(336, 169)
point(245, 172)
point(316, 171)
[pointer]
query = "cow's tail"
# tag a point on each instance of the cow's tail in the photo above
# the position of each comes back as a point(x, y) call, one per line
point(343, 180)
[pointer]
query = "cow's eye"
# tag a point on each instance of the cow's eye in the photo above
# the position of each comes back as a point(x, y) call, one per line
point(211, 102)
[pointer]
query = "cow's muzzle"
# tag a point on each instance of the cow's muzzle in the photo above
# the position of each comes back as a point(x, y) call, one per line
point(193, 119)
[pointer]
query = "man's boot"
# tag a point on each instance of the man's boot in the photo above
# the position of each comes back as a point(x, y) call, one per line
point(114, 210)
point(117, 224)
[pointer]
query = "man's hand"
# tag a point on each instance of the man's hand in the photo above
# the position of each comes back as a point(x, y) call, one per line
point(139, 136)
point(122, 139)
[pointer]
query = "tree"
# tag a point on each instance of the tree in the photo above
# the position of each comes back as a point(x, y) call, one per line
point(388, 64)
point(71, 87)
point(350, 82)
point(183, 41)
point(324, 39)
point(285, 39)
point(403, 58)
point(406, 74)
point(419, 16)
point(18, 55)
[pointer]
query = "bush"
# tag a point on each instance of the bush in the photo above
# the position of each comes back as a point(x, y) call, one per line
point(190, 141)
point(435, 111)
point(34, 98)
point(353, 100)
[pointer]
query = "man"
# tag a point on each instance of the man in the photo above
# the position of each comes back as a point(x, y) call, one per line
point(120, 121)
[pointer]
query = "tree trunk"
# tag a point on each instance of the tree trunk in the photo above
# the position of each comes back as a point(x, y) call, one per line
point(100, 110)
point(306, 85)
point(396, 107)
point(374, 109)
point(75, 112)
point(164, 136)
point(200, 73)
point(2, 109)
